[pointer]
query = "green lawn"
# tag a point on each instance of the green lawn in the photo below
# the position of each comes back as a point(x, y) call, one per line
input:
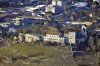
point(28, 50)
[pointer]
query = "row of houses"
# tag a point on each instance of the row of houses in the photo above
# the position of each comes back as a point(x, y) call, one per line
point(52, 35)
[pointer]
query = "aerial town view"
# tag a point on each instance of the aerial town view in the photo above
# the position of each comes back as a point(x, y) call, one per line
point(49, 32)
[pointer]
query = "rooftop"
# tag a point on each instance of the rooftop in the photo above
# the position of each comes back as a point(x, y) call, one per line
point(52, 30)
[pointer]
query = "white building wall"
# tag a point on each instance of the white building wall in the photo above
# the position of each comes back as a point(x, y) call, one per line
point(28, 38)
point(61, 40)
point(31, 38)
point(52, 38)
point(20, 37)
point(72, 37)
point(53, 10)
point(54, 3)
point(50, 9)
point(59, 3)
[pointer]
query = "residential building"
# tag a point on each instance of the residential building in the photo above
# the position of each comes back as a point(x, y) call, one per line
point(17, 20)
point(56, 7)
point(28, 37)
point(52, 35)
point(61, 40)
point(50, 8)
point(70, 37)
point(60, 3)
point(31, 38)
point(5, 24)
point(21, 37)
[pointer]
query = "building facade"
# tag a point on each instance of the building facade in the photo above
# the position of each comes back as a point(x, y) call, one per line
point(56, 7)
point(28, 37)
point(71, 37)
point(31, 38)
point(52, 38)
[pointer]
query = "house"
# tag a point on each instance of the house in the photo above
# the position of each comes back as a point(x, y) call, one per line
point(31, 38)
point(50, 8)
point(61, 40)
point(52, 35)
point(17, 20)
point(70, 37)
point(21, 37)
point(60, 3)
point(28, 37)
point(5, 24)
point(56, 7)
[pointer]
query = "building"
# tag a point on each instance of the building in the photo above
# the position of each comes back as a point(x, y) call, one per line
point(17, 20)
point(21, 37)
point(60, 3)
point(50, 8)
point(70, 37)
point(31, 38)
point(56, 7)
point(52, 35)
point(5, 24)
point(28, 37)
point(61, 40)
